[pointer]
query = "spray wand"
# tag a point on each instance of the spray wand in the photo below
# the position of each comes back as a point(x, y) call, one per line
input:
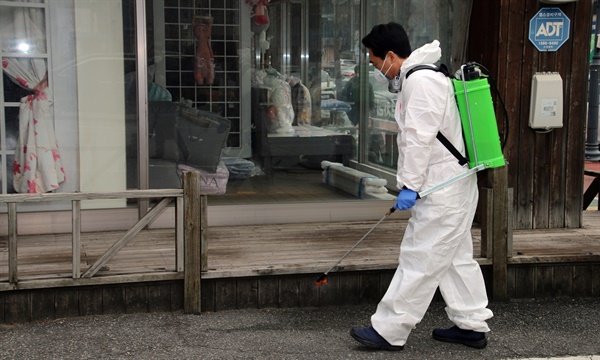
point(323, 278)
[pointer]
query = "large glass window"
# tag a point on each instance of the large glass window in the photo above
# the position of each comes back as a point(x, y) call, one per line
point(424, 21)
point(272, 101)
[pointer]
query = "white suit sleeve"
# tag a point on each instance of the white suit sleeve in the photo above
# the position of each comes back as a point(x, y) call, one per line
point(425, 107)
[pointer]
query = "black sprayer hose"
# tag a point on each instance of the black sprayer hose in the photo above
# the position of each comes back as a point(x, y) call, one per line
point(495, 86)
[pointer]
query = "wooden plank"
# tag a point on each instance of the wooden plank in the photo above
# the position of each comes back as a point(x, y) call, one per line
point(543, 281)
point(582, 281)
point(192, 239)
point(385, 278)
point(596, 280)
point(520, 154)
point(510, 222)
point(268, 292)
point(159, 297)
point(499, 180)
point(208, 295)
point(179, 234)
point(369, 288)
point(225, 294)
point(177, 296)
point(308, 291)
point(12, 243)
point(129, 194)
point(136, 298)
point(349, 290)
point(17, 307)
point(113, 300)
point(203, 232)
point(76, 234)
point(577, 112)
point(66, 302)
point(42, 305)
point(110, 253)
point(524, 282)
point(562, 282)
point(246, 293)
point(2, 308)
point(90, 301)
point(289, 292)
point(487, 222)
point(329, 293)
point(510, 281)
point(541, 181)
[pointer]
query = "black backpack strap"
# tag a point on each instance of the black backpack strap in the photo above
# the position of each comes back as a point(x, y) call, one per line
point(443, 69)
point(461, 159)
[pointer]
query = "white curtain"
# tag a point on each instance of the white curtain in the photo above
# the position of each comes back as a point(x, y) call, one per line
point(38, 166)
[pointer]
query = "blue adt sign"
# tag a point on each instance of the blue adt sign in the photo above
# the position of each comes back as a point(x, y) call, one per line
point(549, 29)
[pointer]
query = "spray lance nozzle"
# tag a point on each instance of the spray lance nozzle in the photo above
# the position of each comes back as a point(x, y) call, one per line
point(321, 280)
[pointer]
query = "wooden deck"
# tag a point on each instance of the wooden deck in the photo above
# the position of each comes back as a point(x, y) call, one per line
point(269, 266)
point(245, 251)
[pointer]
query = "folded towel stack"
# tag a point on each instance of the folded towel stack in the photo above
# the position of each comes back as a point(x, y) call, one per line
point(358, 183)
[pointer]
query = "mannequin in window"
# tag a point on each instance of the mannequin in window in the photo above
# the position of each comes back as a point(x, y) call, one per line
point(301, 101)
point(204, 64)
point(280, 98)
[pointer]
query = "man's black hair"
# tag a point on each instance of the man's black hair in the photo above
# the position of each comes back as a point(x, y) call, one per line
point(388, 37)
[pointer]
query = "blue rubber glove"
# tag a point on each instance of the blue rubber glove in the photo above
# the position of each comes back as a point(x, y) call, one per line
point(406, 199)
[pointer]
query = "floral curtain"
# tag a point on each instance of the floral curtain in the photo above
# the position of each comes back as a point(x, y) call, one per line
point(38, 166)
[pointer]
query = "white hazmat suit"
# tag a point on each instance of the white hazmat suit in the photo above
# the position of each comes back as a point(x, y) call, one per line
point(437, 249)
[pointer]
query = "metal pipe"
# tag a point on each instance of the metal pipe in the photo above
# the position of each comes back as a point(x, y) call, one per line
point(592, 148)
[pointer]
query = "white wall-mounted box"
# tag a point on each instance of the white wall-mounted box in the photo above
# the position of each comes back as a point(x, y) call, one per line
point(546, 110)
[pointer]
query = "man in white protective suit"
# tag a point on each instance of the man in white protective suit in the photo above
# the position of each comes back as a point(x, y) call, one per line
point(437, 249)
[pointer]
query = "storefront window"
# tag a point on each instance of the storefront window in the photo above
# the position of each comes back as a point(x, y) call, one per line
point(262, 97)
point(424, 21)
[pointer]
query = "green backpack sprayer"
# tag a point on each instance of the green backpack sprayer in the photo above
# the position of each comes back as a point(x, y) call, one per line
point(478, 120)
point(480, 132)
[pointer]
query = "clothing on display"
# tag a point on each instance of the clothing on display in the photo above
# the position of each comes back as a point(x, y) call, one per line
point(204, 65)
point(280, 112)
point(301, 102)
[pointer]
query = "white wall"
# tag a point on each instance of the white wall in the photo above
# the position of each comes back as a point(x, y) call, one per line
point(100, 92)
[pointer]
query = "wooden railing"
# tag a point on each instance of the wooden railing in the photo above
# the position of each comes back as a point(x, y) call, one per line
point(190, 230)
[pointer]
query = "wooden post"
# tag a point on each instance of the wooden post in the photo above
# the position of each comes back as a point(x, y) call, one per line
point(12, 243)
point(192, 242)
point(486, 196)
point(510, 223)
point(203, 230)
point(76, 237)
point(498, 179)
point(179, 234)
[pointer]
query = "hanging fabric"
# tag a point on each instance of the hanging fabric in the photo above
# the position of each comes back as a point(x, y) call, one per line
point(37, 167)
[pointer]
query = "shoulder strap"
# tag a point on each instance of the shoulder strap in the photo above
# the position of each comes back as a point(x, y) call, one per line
point(443, 69)
point(461, 159)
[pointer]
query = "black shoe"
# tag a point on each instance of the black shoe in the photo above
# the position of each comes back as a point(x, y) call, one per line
point(371, 338)
point(459, 336)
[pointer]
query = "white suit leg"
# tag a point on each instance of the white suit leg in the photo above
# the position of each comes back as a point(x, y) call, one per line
point(463, 290)
point(436, 242)
point(409, 293)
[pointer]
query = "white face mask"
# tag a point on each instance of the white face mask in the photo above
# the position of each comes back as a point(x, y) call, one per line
point(379, 76)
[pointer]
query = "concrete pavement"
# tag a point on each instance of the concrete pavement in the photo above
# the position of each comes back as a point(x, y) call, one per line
point(561, 328)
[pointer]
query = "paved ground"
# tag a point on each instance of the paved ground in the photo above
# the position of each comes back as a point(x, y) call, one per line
point(524, 329)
